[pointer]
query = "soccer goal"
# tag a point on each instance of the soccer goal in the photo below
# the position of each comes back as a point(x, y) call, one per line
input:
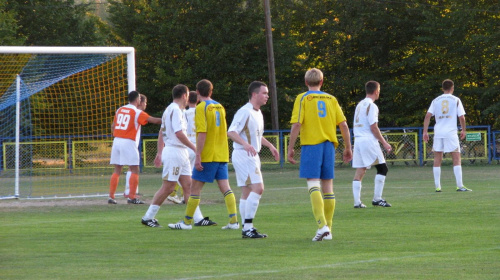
point(56, 109)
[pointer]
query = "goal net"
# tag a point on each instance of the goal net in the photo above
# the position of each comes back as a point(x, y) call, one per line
point(56, 109)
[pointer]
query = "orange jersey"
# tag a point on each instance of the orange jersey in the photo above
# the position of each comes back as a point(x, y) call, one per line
point(128, 121)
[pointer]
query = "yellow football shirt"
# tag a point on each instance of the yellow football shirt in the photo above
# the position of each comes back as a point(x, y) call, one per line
point(210, 117)
point(319, 113)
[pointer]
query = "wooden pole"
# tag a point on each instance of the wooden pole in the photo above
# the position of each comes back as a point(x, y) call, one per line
point(270, 65)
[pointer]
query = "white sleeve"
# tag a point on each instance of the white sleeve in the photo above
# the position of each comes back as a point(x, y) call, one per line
point(431, 108)
point(460, 108)
point(177, 117)
point(239, 121)
point(372, 114)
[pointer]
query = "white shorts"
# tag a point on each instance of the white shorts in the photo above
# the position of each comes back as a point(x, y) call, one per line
point(192, 157)
point(124, 152)
point(175, 163)
point(247, 168)
point(446, 145)
point(367, 152)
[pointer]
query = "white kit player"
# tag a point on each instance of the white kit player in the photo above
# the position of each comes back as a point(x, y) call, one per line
point(446, 108)
point(367, 151)
point(246, 131)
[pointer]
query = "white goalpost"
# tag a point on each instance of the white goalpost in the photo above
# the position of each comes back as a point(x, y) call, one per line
point(56, 106)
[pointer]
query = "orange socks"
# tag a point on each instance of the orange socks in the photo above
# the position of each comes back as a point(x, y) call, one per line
point(134, 182)
point(113, 184)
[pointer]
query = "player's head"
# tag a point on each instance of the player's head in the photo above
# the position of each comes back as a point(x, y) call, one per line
point(372, 87)
point(143, 103)
point(314, 77)
point(254, 87)
point(133, 96)
point(204, 88)
point(179, 91)
point(448, 85)
point(193, 97)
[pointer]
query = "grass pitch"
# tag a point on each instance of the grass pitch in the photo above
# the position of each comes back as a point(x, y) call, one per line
point(425, 235)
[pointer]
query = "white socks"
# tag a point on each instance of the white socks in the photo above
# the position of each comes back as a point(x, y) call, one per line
point(437, 177)
point(356, 192)
point(151, 213)
point(379, 187)
point(198, 216)
point(251, 205)
point(458, 175)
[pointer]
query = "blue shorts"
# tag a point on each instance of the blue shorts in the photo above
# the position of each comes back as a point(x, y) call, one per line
point(317, 161)
point(211, 171)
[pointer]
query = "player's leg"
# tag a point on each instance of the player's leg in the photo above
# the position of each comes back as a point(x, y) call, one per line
point(438, 149)
point(311, 163)
point(230, 201)
point(329, 204)
point(113, 183)
point(158, 199)
point(134, 182)
point(379, 185)
point(356, 187)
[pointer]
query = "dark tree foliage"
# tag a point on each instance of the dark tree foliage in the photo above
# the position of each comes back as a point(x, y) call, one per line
point(57, 23)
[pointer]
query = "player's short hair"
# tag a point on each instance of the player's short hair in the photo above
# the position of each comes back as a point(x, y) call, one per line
point(143, 98)
point(313, 77)
point(204, 87)
point(255, 87)
point(447, 84)
point(179, 90)
point(371, 87)
point(193, 97)
point(133, 95)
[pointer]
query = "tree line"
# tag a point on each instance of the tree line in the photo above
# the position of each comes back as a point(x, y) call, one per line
point(409, 46)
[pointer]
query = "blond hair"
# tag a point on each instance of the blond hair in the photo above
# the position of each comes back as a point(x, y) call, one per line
point(313, 77)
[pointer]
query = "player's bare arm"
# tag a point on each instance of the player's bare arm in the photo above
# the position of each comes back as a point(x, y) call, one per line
point(427, 120)
point(154, 120)
point(463, 132)
point(376, 132)
point(200, 144)
point(159, 148)
point(294, 133)
point(237, 138)
point(346, 136)
point(184, 140)
point(271, 147)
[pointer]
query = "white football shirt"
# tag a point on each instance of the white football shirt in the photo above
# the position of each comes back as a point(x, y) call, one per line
point(191, 128)
point(366, 114)
point(172, 121)
point(445, 109)
point(249, 124)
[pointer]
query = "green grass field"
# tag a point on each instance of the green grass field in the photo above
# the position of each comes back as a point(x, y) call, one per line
point(425, 235)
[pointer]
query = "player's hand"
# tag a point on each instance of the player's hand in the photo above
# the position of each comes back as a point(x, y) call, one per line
point(347, 157)
point(426, 137)
point(275, 153)
point(197, 163)
point(291, 153)
point(158, 161)
point(250, 150)
point(462, 134)
point(387, 147)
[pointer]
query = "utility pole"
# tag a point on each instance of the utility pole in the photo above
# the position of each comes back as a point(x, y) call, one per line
point(270, 66)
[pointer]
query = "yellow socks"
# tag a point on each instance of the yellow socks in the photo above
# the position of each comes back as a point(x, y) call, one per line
point(317, 203)
point(329, 207)
point(231, 206)
point(193, 203)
